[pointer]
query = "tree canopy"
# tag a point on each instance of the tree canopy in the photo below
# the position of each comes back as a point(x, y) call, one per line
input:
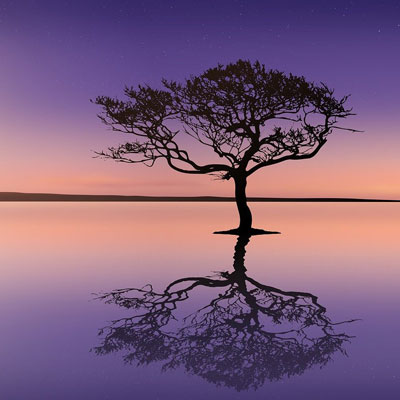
point(227, 109)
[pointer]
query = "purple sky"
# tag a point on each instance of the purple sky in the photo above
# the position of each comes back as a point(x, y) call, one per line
point(56, 55)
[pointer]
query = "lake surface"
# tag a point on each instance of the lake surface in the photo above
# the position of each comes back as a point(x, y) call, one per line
point(241, 341)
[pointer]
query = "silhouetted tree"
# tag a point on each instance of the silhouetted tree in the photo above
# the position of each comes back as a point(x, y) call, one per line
point(246, 335)
point(231, 109)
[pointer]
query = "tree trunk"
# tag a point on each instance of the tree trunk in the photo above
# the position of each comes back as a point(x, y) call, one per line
point(246, 220)
point(241, 203)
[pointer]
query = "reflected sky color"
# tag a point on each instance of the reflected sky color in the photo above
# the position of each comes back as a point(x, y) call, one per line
point(102, 233)
point(55, 56)
point(56, 255)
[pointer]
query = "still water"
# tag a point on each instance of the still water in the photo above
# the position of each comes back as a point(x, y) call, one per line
point(312, 313)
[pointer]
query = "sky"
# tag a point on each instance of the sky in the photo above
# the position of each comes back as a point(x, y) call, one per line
point(57, 55)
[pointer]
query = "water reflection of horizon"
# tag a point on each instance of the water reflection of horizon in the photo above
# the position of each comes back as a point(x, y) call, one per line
point(248, 334)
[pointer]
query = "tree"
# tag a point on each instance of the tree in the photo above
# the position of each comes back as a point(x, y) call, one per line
point(232, 110)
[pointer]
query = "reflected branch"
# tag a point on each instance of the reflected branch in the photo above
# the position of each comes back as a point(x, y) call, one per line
point(248, 334)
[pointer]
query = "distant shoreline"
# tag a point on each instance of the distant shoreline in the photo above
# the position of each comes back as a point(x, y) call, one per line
point(52, 197)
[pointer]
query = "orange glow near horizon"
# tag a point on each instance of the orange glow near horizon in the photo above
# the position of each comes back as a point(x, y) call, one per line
point(350, 165)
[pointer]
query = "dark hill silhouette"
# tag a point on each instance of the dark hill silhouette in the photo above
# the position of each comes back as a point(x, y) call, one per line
point(18, 196)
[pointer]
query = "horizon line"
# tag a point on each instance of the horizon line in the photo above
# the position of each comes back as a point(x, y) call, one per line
point(58, 197)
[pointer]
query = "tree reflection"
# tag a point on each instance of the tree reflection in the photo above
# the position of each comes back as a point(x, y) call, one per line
point(247, 334)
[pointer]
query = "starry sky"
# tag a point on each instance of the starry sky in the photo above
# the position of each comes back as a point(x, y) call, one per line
point(57, 55)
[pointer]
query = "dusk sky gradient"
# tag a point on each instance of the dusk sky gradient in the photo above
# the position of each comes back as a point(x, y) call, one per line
point(57, 55)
